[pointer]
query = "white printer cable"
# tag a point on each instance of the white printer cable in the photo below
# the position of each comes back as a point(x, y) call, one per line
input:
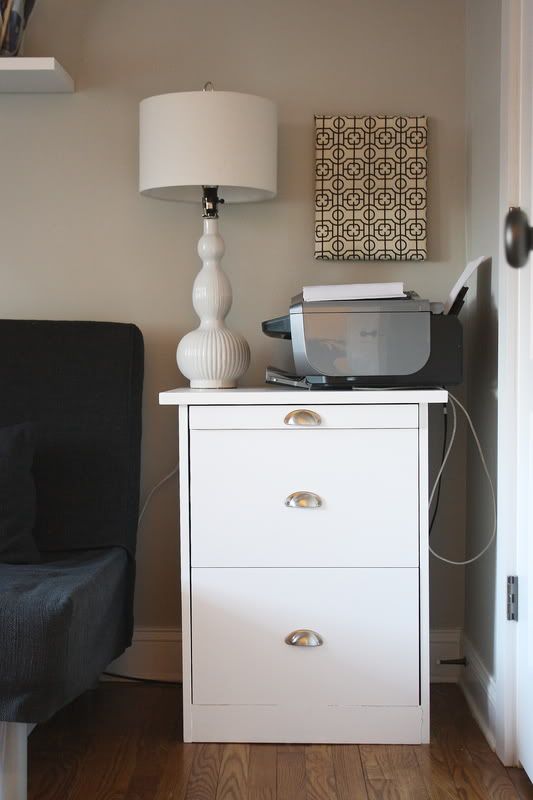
point(454, 401)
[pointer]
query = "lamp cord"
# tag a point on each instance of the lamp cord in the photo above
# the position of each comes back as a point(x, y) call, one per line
point(141, 680)
point(154, 490)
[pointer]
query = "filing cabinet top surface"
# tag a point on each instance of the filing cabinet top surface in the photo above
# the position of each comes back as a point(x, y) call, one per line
point(265, 395)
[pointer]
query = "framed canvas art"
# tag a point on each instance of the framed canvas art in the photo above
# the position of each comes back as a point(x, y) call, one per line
point(371, 188)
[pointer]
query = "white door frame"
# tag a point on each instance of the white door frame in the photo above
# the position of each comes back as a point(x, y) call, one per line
point(511, 130)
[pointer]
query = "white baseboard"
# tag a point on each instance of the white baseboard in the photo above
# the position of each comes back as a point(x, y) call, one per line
point(156, 654)
point(480, 692)
point(445, 643)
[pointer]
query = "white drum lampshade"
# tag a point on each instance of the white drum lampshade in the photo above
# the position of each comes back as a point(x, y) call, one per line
point(212, 146)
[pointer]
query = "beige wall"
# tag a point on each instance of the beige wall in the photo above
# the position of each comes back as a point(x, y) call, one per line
point(483, 41)
point(79, 242)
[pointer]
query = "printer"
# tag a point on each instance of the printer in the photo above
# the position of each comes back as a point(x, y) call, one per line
point(370, 343)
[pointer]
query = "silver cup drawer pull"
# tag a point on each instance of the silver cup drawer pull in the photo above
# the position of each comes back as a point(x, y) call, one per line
point(304, 638)
point(303, 418)
point(303, 500)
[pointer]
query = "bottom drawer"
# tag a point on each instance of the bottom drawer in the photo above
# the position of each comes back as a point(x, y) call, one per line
point(367, 620)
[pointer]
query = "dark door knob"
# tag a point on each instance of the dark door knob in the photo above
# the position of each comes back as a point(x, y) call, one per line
point(518, 237)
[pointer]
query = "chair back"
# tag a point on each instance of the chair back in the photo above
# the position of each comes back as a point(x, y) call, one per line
point(80, 385)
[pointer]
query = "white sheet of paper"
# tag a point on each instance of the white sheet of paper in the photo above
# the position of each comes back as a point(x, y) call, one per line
point(352, 291)
point(463, 278)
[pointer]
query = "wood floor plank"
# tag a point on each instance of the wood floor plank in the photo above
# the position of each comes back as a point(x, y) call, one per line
point(262, 772)
point(203, 780)
point(392, 772)
point(50, 777)
point(109, 725)
point(474, 778)
point(156, 737)
point(476, 770)
point(123, 742)
point(320, 774)
point(521, 782)
point(381, 761)
point(435, 773)
point(114, 723)
point(107, 770)
point(493, 774)
point(291, 775)
point(233, 776)
point(176, 772)
point(464, 773)
point(349, 777)
point(379, 781)
point(69, 733)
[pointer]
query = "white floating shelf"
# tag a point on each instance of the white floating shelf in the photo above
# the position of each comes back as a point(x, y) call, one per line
point(33, 75)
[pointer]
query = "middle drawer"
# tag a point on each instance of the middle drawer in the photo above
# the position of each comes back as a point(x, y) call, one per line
point(320, 498)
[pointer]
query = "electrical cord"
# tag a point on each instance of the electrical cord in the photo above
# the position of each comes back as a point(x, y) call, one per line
point(154, 490)
point(446, 455)
point(453, 402)
point(141, 515)
point(444, 443)
point(141, 680)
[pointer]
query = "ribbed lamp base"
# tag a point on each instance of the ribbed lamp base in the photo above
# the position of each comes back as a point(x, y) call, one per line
point(212, 356)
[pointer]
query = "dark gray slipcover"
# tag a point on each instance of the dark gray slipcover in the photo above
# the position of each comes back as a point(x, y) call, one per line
point(61, 623)
point(80, 385)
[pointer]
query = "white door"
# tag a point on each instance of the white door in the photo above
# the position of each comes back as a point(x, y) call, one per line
point(523, 190)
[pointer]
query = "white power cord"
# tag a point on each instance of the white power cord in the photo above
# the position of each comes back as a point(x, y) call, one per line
point(141, 515)
point(154, 490)
point(453, 401)
point(446, 455)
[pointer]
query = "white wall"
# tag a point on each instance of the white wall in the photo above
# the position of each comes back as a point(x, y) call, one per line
point(79, 242)
point(483, 39)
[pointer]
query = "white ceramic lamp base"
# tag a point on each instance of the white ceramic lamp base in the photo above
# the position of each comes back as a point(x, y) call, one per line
point(212, 356)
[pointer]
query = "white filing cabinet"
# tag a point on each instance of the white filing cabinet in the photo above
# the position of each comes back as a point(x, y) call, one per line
point(304, 564)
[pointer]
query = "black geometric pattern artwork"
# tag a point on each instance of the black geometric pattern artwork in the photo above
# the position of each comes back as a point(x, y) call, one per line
point(371, 188)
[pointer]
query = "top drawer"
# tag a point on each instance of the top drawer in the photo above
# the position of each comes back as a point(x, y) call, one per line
point(305, 416)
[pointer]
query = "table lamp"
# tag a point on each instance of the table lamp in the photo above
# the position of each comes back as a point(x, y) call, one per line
point(210, 147)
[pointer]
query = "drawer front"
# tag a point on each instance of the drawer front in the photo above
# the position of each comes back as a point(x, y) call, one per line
point(367, 621)
point(305, 416)
point(359, 506)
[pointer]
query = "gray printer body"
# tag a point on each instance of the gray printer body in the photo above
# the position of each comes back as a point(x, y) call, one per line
point(387, 342)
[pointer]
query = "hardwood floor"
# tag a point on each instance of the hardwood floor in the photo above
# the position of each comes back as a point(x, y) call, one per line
point(122, 742)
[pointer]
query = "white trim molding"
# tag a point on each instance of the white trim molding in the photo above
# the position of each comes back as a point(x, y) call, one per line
point(508, 307)
point(479, 689)
point(445, 643)
point(155, 654)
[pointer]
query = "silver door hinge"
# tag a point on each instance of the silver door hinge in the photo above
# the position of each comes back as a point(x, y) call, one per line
point(512, 598)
